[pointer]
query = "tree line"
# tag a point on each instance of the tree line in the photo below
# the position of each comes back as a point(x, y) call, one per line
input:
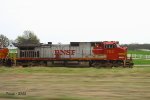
point(28, 37)
point(137, 46)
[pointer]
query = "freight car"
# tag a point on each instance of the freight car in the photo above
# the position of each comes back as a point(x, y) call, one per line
point(92, 54)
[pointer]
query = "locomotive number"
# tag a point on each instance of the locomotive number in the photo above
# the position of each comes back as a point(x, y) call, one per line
point(110, 51)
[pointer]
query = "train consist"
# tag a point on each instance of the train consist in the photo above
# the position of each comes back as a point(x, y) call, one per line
point(92, 54)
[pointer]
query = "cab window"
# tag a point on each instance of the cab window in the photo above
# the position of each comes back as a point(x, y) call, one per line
point(109, 46)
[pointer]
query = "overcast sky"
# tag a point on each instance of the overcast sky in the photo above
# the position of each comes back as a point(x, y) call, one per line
point(127, 21)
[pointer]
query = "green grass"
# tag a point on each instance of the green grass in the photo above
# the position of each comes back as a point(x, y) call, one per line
point(141, 62)
point(59, 83)
point(65, 70)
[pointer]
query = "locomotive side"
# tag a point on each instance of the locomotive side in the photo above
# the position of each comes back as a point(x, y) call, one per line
point(93, 54)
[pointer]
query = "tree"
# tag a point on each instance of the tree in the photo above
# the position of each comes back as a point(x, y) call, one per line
point(4, 41)
point(136, 46)
point(27, 38)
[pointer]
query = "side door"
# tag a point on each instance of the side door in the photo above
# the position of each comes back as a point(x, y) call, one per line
point(110, 51)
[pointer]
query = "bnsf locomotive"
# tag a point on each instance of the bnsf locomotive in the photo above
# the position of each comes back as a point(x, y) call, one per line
point(94, 54)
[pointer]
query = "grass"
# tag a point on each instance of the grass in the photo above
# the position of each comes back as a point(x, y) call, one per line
point(140, 61)
point(59, 83)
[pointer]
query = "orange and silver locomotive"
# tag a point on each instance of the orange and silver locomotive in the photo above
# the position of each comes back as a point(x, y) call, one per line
point(94, 54)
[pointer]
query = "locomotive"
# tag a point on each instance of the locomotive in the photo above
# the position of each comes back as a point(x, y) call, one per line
point(4, 59)
point(92, 54)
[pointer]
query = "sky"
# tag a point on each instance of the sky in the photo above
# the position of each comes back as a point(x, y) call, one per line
point(126, 21)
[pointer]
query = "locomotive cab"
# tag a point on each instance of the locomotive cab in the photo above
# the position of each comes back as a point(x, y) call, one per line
point(111, 49)
point(114, 53)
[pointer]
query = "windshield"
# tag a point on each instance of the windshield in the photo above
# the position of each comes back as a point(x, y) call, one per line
point(118, 45)
point(110, 46)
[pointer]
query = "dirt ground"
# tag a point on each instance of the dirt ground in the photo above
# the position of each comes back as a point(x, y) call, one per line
point(74, 84)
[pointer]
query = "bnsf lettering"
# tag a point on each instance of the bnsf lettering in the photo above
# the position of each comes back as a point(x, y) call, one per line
point(64, 52)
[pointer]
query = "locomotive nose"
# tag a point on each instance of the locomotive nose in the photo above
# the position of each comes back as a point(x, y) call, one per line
point(123, 48)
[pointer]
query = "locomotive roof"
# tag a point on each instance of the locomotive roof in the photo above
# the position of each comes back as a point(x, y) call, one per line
point(71, 43)
point(110, 42)
point(27, 45)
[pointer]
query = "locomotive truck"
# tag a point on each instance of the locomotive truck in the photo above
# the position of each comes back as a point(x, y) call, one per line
point(92, 54)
